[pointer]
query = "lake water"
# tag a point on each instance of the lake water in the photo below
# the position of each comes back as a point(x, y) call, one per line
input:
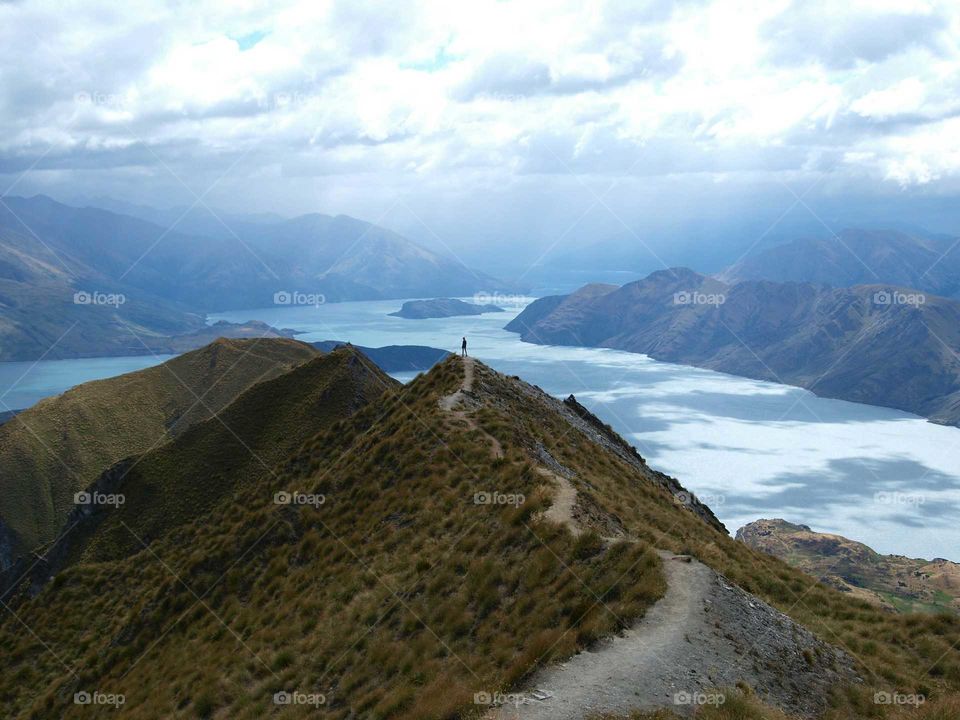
point(750, 449)
point(24, 383)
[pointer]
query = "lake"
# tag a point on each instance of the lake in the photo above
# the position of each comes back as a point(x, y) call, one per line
point(750, 449)
point(24, 383)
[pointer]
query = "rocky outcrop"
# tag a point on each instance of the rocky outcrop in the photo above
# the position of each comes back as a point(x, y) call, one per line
point(893, 582)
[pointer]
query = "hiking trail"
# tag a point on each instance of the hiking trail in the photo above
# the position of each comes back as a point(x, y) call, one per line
point(702, 635)
point(454, 402)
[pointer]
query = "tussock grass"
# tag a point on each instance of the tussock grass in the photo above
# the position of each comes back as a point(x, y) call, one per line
point(400, 597)
point(62, 444)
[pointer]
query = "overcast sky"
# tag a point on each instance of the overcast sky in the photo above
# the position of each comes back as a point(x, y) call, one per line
point(464, 122)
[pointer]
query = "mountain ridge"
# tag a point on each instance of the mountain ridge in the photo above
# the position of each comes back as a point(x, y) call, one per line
point(254, 431)
point(86, 281)
point(89, 427)
point(857, 257)
point(876, 344)
point(441, 567)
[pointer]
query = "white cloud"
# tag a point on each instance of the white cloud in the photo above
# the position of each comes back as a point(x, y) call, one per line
point(434, 94)
point(906, 96)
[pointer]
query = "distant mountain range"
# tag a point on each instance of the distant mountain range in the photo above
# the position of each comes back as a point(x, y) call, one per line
point(97, 280)
point(858, 257)
point(393, 358)
point(876, 344)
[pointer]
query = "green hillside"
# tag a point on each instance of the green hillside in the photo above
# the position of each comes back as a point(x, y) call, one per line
point(62, 444)
point(213, 459)
point(439, 564)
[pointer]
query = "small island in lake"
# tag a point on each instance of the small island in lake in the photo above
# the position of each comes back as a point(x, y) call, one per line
point(440, 308)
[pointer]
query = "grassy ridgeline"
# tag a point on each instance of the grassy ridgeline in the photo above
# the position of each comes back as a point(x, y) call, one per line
point(63, 443)
point(399, 597)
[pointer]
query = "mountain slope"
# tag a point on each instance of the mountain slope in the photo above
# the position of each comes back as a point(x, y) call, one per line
point(435, 569)
point(62, 444)
point(241, 445)
point(168, 279)
point(858, 257)
point(558, 311)
point(860, 344)
point(39, 315)
point(350, 258)
point(891, 581)
point(344, 258)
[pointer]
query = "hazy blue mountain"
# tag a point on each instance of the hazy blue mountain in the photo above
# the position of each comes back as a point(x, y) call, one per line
point(875, 344)
point(393, 358)
point(51, 254)
point(856, 257)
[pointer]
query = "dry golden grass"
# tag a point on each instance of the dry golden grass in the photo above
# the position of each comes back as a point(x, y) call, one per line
point(401, 598)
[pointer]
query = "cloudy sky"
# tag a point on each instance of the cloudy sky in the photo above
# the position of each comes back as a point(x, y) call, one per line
point(532, 123)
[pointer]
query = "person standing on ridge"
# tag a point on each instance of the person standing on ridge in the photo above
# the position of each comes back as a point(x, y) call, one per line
point(463, 348)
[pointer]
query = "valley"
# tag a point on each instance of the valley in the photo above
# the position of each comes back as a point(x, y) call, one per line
point(733, 440)
point(881, 476)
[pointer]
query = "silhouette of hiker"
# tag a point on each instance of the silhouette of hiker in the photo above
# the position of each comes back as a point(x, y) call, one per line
point(463, 348)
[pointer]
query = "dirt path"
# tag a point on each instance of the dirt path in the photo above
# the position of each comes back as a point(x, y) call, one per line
point(454, 402)
point(625, 673)
point(561, 511)
point(703, 634)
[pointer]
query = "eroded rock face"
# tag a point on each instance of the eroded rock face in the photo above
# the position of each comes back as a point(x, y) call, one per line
point(893, 582)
